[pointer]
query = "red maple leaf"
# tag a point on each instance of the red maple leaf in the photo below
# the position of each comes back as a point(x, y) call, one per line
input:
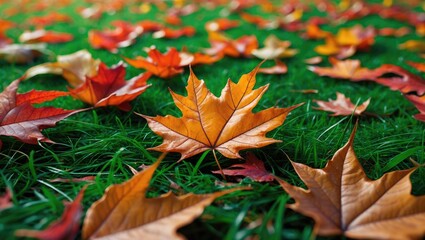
point(67, 227)
point(109, 88)
point(19, 119)
point(123, 35)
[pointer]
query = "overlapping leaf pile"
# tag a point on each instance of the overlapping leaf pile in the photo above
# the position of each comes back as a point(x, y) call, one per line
point(97, 48)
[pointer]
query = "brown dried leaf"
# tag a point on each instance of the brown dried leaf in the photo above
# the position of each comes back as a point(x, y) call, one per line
point(342, 200)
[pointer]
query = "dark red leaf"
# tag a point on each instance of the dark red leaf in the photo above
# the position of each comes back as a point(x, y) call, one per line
point(67, 227)
point(252, 168)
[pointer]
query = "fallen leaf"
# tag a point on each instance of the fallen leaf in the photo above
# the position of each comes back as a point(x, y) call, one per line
point(6, 199)
point(150, 26)
point(342, 106)
point(413, 45)
point(418, 66)
point(37, 96)
point(43, 36)
point(332, 48)
point(399, 79)
point(173, 19)
point(124, 212)
point(419, 102)
point(252, 168)
point(22, 53)
point(313, 31)
point(73, 67)
point(347, 41)
point(224, 124)
point(279, 68)
point(306, 91)
point(23, 121)
point(49, 19)
point(221, 24)
point(170, 33)
point(313, 60)
point(240, 47)
point(260, 22)
point(274, 48)
point(67, 227)
point(109, 88)
point(420, 29)
point(4, 26)
point(162, 65)
point(74, 180)
point(362, 38)
point(394, 32)
point(345, 69)
point(342, 200)
point(123, 35)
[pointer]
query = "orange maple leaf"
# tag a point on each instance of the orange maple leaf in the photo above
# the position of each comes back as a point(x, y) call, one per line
point(343, 200)
point(345, 69)
point(124, 211)
point(225, 124)
point(162, 65)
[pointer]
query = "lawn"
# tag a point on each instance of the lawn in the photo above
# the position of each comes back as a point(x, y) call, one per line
point(107, 142)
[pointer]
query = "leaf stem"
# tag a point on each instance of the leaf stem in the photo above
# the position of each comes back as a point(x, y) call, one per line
point(218, 164)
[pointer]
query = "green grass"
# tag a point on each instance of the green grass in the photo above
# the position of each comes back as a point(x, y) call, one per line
point(105, 141)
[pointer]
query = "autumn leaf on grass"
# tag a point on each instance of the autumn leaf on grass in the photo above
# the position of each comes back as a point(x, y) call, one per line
point(279, 68)
point(162, 65)
point(67, 227)
point(225, 124)
point(332, 48)
point(252, 168)
point(345, 69)
point(399, 79)
point(124, 212)
point(223, 45)
point(19, 119)
point(6, 199)
point(413, 45)
point(170, 33)
point(419, 102)
point(221, 24)
point(395, 32)
point(342, 106)
point(73, 67)
point(342, 200)
point(22, 53)
point(200, 58)
point(392, 76)
point(43, 36)
point(347, 41)
point(109, 88)
point(123, 35)
point(418, 66)
point(274, 48)
point(49, 19)
point(4, 26)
